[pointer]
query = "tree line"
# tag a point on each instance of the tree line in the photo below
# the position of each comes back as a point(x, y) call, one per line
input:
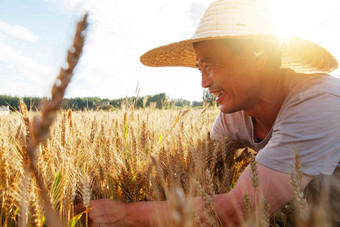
point(160, 100)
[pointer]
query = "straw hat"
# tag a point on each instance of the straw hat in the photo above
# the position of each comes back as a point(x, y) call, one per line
point(242, 19)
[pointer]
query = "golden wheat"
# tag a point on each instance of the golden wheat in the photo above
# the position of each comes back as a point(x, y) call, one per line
point(128, 155)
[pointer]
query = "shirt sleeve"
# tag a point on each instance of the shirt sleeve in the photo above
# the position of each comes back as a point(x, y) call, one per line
point(311, 127)
point(218, 132)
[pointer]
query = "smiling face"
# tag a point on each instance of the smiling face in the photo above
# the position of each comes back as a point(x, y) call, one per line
point(234, 78)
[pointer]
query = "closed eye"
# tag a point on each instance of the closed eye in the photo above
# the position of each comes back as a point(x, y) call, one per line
point(205, 63)
point(198, 67)
point(203, 66)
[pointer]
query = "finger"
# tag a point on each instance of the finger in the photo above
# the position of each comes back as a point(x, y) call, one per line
point(78, 208)
point(92, 224)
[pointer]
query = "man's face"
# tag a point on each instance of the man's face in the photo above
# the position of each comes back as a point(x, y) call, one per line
point(234, 79)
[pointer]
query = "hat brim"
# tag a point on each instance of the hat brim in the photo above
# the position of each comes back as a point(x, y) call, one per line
point(298, 54)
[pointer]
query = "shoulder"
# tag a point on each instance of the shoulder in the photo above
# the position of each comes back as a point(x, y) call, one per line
point(302, 85)
point(308, 123)
point(224, 119)
point(235, 125)
point(323, 83)
point(311, 99)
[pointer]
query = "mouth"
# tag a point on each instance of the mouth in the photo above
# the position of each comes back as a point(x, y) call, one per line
point(217, 93)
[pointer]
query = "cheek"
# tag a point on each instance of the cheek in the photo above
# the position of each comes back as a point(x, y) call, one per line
point(219, 75)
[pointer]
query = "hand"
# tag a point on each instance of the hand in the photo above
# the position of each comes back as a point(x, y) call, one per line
point(105, 212)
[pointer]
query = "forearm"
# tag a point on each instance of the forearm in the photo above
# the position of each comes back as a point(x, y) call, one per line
point(229, 208)
point(154, 213)
point(274, 186)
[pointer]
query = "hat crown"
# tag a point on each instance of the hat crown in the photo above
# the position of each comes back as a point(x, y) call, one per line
point(243, 19)
point(235, 18)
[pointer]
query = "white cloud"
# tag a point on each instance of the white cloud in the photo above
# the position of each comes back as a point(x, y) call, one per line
point(119, 32)
point(12, 56)
point(18, 32)
point(23, 75)
point(22, 83)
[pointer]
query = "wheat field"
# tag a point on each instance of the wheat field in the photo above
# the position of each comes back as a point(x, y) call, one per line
point(54, 159)
point(128, 155)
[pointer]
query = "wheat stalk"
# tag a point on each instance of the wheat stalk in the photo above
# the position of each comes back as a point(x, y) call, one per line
point(41, 125)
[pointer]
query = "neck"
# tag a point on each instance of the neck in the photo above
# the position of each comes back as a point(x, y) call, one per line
point(269, 101)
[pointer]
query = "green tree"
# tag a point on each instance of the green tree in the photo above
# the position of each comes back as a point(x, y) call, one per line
point(197, 103)
point(158, 99)
point(208, 97)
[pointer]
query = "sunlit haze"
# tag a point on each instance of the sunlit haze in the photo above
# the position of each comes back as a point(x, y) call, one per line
point(35, 35)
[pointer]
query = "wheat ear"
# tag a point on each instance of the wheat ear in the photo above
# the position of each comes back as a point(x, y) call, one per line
point(41, 125)
point(181, 210)
point(299, 200)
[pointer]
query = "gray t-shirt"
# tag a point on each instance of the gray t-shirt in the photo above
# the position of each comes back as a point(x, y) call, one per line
point(308, 123)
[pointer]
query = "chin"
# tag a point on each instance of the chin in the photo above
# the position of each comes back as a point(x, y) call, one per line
point(228, 109)
point(224, 109)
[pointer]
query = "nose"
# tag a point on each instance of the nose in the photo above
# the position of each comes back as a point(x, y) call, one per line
point(206, 78)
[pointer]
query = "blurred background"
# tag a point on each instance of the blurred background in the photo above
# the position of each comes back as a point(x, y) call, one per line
point(35, 36)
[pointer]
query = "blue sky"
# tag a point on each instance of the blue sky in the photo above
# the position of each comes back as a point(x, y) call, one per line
point(35, 35)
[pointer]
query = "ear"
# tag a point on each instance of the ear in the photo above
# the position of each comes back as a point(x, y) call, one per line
point(261, 57)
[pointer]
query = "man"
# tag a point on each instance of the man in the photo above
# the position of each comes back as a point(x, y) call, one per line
point(263, 100)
